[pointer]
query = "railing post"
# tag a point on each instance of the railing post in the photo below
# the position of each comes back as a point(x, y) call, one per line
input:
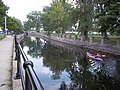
point(17, 58)
point(28, 85)
point(91, 40)
point(15, 47)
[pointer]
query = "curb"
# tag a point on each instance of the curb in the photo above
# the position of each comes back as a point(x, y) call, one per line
point(16, 83)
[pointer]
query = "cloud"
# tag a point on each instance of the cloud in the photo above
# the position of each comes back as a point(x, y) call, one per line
point(20, 8)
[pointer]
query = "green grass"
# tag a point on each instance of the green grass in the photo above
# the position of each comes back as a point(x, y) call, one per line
point(114, 36)
point(112, 39)
point(2, 37)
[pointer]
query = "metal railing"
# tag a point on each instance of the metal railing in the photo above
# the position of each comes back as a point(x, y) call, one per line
point(25, 71)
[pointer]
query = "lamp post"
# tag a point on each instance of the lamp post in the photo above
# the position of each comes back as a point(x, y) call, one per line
point(5, 25)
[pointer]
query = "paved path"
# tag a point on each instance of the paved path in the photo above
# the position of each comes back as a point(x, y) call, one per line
point(6, 46)
point(8, 65)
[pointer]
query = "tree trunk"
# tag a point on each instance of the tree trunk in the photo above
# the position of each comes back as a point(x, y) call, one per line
point(86, 34)
point(105, 36)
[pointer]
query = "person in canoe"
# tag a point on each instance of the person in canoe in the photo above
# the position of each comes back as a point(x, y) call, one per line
point(96, 57)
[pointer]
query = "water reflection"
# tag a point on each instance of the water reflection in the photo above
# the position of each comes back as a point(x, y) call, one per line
point(61, 70)
point(35, 46)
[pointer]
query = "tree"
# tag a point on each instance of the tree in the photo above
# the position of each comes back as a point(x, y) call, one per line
point(46, 21)
point(108, 16)
point(27, 25)
point(3, 13)
point(113, 17)
point(102, 21)
point(83, 16)
point(14, 24)
point(67, 22)
point(34, 22)
point(56, 16)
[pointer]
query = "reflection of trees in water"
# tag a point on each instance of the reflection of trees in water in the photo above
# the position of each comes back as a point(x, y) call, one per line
point(82, 79)
point(118, 69)
point(35, 46)
point(56, 59)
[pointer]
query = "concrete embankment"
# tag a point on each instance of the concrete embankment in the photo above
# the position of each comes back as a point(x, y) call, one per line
point(106, 48)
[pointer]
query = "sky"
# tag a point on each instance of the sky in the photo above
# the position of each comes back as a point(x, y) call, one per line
point(20, 8)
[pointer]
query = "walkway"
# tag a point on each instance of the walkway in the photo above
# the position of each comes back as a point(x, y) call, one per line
point(8, 65)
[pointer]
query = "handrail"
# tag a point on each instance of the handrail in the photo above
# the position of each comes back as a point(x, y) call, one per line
point(29, 79)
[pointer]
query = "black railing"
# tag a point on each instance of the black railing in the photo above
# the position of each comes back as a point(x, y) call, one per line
point(25, 71)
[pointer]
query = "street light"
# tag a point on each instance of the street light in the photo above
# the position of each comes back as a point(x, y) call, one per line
point(5, 25)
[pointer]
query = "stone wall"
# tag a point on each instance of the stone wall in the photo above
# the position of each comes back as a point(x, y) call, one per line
point(101, 46)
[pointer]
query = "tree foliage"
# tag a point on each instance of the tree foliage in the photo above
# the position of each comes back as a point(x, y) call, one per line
point(3, 12)
point(34, 22)
point(57, 17)
point(82, 15)
point(113, 17)
point(108, 16)
point(46, 21)
point(14, 24)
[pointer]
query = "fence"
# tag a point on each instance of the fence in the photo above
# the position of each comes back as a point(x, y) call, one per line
point(25, 71)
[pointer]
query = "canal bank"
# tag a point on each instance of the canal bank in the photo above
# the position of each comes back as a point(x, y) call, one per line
point(101, 47)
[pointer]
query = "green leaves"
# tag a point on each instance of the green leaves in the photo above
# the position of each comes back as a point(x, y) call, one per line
point(3, 12)
point(108, 16)
point(57, 17)
point(14, 24)
point(3, 8)
point(83, 15)
point(34, 22)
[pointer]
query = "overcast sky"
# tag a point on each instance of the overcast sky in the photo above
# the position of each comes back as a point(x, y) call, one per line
point(20, 8)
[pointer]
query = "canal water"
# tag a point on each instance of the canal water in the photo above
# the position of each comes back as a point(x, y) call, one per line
point(60, 69)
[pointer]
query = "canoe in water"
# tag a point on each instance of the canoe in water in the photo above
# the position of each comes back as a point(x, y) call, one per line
point(93, 57)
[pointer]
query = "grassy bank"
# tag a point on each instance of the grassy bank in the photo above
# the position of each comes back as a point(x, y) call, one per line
point(112, 39)
point(2, 37)
point(97, 38)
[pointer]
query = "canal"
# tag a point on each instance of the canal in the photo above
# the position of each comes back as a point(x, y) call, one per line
point(61, 69)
